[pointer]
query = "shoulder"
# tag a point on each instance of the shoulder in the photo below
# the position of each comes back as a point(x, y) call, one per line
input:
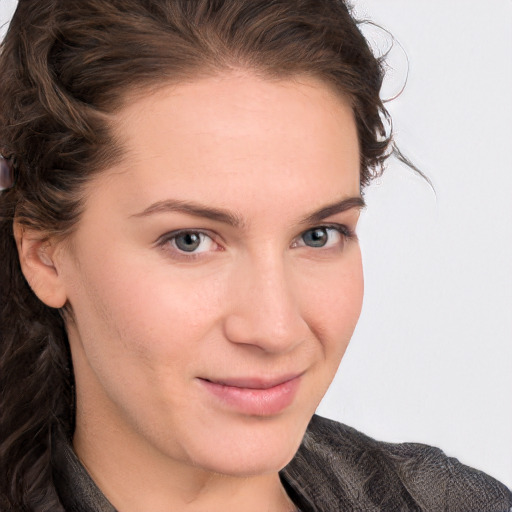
point(352, 468)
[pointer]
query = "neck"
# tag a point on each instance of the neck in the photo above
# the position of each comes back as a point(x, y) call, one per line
point(141, 478)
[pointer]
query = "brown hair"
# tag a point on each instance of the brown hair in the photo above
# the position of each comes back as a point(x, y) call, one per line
point(65, 65)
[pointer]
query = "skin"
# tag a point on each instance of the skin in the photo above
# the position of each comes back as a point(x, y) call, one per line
point(151, 321)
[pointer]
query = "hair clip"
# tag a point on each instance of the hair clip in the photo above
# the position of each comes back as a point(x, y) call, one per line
point(6, 174)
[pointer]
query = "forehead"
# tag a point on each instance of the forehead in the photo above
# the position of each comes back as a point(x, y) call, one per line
point(236, 136)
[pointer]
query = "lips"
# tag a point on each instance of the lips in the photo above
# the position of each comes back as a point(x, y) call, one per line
point(253, 396)
point(254, 383)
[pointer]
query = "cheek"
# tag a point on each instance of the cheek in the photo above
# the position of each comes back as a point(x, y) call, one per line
point(138, 313)
point(334, 303)
point(140, 333)
point(146, 316)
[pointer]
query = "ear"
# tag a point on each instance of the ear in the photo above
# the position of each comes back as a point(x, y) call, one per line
point(37, 255)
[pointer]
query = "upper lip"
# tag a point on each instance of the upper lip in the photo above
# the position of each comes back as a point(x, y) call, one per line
point(254, 382)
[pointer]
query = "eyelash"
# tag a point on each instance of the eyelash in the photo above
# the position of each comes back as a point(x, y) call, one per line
point(346, 233)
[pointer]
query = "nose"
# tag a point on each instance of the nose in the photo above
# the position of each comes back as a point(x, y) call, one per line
point(264, 306)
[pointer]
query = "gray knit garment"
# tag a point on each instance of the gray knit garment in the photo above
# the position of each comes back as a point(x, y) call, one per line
point(336, 469)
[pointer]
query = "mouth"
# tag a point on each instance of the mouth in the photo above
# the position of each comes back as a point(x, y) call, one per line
point(253, 382)
point(253, 395)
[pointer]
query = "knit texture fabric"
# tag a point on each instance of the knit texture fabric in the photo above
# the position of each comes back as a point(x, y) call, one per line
point(338, 468)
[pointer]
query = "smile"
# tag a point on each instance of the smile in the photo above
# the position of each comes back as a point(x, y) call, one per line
point(254, 396)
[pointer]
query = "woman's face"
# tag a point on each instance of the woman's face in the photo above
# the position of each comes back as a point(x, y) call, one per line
point(214, 276)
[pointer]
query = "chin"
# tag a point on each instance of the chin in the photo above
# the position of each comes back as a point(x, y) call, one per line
point(249, 446)
point(243, 463)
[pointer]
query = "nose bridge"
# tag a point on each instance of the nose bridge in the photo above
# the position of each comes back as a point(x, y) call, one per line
point(265, 310)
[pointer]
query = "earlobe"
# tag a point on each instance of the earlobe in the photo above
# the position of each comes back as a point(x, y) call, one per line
point(37, 260)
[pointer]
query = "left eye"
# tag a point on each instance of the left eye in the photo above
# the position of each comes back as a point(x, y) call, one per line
point(191, 242)
point(321, 237)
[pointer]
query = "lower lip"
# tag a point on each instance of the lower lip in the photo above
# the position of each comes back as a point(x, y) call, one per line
point(255, 402)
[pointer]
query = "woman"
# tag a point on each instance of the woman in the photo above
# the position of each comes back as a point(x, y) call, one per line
point(182, 272)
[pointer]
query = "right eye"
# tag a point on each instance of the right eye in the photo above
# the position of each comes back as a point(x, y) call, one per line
point(189, 242)
point(318, 237)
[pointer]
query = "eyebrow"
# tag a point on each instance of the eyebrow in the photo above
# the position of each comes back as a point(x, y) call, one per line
point(195, 209)
point(235, 220)
point(334, 208)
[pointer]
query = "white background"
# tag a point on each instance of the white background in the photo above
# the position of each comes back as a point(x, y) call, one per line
point(431, 359)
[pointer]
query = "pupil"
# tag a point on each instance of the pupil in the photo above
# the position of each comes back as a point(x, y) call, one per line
point(315, 237)
point(188, 242)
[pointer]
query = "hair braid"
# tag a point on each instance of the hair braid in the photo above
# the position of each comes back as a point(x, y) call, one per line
point(34, 379)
